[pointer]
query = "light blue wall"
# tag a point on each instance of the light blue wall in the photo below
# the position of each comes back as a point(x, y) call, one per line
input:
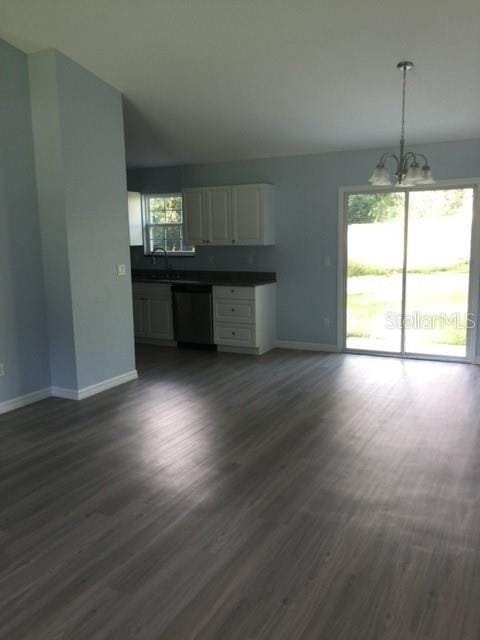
point(23, 341)
point(81, 178)
point(306, 223)
point(51, 196)
point(97, 221)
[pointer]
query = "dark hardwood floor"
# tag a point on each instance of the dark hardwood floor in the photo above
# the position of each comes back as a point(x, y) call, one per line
point(292, 496)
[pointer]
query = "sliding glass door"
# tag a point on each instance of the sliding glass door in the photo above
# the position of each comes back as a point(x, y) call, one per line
point(438, 272)
point(376, 223)
point(407, 275)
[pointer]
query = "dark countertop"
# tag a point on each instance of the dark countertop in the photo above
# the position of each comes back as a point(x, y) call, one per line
point(219, 278)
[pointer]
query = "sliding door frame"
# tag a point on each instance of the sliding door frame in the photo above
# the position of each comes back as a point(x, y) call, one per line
point(474, 276)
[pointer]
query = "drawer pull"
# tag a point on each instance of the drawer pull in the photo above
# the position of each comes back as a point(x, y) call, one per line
point(233, 333)
point(232, 290)
point(233, 309)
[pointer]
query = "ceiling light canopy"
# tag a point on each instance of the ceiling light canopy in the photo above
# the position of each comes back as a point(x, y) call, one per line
point(411, 168)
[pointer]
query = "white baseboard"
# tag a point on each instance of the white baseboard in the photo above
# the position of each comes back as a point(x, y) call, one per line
point(86, 392)
point(69, 394)
point(61, 392)
point(22, 401)
point(306, 346)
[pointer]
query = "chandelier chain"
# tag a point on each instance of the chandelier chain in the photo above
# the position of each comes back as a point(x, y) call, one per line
point(404, 90)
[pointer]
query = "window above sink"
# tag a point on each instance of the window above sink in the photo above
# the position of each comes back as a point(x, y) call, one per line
point(163, 224)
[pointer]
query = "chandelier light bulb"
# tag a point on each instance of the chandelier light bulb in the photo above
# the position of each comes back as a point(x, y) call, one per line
point(380, 177)
point(426, 177)
point(414, 173)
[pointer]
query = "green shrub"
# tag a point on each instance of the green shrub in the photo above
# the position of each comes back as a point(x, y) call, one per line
point(357, 268)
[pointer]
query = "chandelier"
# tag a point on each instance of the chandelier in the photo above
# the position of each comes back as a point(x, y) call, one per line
point(408, 170)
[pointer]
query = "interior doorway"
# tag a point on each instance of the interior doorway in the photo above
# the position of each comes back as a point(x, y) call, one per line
point(407, 272)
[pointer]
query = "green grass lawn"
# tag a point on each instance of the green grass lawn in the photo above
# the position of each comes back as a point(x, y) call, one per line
point(429, 293)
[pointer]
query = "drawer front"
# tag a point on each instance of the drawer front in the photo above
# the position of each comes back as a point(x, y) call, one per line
point(234, 293)
point(231, 334)
point(234, 311)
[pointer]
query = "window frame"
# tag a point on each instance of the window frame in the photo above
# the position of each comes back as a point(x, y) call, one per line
point(146, 224)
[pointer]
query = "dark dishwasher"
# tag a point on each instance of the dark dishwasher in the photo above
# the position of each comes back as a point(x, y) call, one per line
point(192, 314)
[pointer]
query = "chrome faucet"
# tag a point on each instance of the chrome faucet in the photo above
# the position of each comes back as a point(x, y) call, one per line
point(155, 249)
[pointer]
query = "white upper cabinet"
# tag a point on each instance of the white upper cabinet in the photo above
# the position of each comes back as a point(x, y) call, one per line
point(218, 216)
point(252, 214)
point(135, 218)
point(195, 227)
point(247, 214)
point(231, 215)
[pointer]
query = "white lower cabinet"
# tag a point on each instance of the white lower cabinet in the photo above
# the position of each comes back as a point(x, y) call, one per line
point(244, 318)
point(235, 335)
point(152, 312)
point(234, 311)
point(140, 313)
point(160, 323)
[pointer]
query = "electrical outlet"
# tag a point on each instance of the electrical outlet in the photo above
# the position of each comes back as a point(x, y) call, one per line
point(2, 369)
point(326, 322)
point(328, 261)
point(211, 259)
point(250, 259)
point(121, 270)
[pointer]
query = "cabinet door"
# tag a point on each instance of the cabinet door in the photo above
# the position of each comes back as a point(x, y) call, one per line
point(247, 214)
point(135, 218)
point(219, 218)
point(194, 217)
point(140, 316)
point(160, 323)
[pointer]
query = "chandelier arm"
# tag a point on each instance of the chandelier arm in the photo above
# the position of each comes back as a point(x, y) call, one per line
point(387, 156)
point(424, 158)
point(409, 155)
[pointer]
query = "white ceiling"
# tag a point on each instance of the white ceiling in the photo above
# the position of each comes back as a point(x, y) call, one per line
point(209, 80)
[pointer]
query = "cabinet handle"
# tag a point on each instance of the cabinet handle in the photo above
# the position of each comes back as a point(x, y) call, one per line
point(233, 333)
point(233, 241)
point(232, 290)
point(233, 310)
point(207, 241)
